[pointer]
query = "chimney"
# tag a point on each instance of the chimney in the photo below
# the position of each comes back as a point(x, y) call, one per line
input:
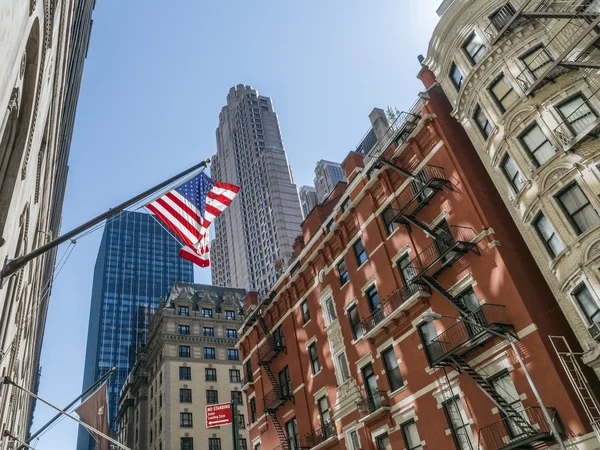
point(379, 122)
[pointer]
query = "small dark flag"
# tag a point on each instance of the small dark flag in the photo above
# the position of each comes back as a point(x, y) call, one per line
point(94, 412)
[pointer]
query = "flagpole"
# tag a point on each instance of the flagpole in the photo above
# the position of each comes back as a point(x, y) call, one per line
point(66, 408)
point(16, 439)
point(12, 265)
point(7, 380)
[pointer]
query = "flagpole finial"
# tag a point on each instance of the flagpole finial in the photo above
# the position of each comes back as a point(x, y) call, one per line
point(207, 160)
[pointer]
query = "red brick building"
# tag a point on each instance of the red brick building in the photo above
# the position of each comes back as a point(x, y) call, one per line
point(337, 356)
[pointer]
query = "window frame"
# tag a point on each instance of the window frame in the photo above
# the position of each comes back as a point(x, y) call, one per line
point(186, 420)
point(539, 216)
point(206, 374)
point(185, 398)
point(314, 358)
point(232, 332)
point(457, 84)
point(305, 311)
point(359, 254)
point(390, 226)
point(574, 224)
point(237, 397)
point(482, 128)
point(491, 16)
point(188, 370)
point(185, 351)
point(204, 312)
point(235, 379)
point(230, 353)
point(216, 398)
point(497, 100)
point(211, 351)
point(404, 426)
point(530, 152)
point(353, 325)
point(345, 204)
point(181, 327)
point(574, 294)
point(568, 100)
point(466, 43)
point(511, 181)
point(345, 276)
point(390, 371)
point(210, 333)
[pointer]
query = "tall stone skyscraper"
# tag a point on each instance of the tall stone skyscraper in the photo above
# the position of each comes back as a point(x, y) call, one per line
point(327, 175)
point(255, 235)
point(138, 262)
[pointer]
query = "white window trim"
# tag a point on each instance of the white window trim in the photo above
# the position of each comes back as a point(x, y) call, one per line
point(583, 279)
point(348, 435)
point(320, 394)
point(368, 284)
point(349, 305)
point(398, 256)
point(310, 342)
point(336, 366)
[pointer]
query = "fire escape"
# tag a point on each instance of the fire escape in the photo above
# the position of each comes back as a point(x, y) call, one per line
point(280, 393)
point(574, 43)
point(448, 350)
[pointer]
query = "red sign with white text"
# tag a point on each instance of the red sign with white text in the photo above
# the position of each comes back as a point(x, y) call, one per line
point(217, 415)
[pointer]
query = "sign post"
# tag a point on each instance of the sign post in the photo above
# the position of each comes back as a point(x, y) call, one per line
point(235, 427)
point(219, 414)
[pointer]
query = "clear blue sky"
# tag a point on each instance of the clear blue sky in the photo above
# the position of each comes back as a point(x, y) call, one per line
point(155, 79)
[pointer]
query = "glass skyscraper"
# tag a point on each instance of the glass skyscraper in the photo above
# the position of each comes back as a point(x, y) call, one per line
point(138, 263)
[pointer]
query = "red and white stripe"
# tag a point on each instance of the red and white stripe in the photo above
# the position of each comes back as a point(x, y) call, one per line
point(198, 254)
point(220, 197)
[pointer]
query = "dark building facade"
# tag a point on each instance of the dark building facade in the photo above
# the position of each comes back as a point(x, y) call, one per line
point(138, 263)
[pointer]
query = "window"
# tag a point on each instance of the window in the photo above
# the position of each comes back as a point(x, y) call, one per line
point(346, 204)
point(285, 381)
point(330, 225)
point(512, 173)
point(373, 298)
point(504, 386)
point(577, 113)
point(382, 442)
point(184, 329)
point(503, 93)
point(183, 310)
point(483, 123)
point(185, 373)
point(231, 334)
point(342, 271)
point(329, 311)
point(428, 335)
point(234, 376)
point(253, 410)
point(249, 374)
point(411, 435)
point(291, 429)
point(208, 331)
point(241, 421)
point(185, 420)
point(232, 354)
point(305, 312)
point(342, 367)
point(257, 447)
point(185, 395)
point(212, 396)
point(187, 443)
point(502, 16)
point(184, 351)
point(387, 216)
point(456, 76)
point(586, 302)
point(207, 313)
point(406, 269)
point(243, 443)
point(229, 315)
point(210, 374)
point(457, 419)
point(236, 397)
point(474, 48)
point(359, 252)
point(536, 60)
point(537, 144)
point(278, 337)
point(314, 358)
point(392, 370)
point(354, 319)
point(355, 444)
point(578, 208)
point(548, 236)
point(214, 443)
point(209, 353)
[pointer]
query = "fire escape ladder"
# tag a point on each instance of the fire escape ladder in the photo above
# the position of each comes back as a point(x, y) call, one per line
point(519, 421)
point(568, 360)
point(272, 379)
point(402, 170)
point(453, 413)
point(411, 219)
point(562, 59)
point(433, 283)
point(279, 431)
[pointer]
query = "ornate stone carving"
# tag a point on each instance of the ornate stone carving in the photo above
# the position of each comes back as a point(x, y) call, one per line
point(594, 251)
point(13, 103)
point(23, 65)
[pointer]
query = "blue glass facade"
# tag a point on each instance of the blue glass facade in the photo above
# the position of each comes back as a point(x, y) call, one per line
point(138, 263)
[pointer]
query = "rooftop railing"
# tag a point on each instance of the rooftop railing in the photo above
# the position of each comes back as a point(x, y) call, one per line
point(398, 131)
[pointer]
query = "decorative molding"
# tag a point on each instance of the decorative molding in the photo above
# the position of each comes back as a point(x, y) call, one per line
point(13, 103)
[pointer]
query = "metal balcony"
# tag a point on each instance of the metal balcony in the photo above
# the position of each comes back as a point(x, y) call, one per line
point(426, 184)
point(276, 398)
point(321, 435)
point(247, 381)
point(268, 352)
point(447, 247)
point(506, 435)
point(373, 403)
point(400, 129)
point(581, 124)
point(391, 308)
point(463, 337)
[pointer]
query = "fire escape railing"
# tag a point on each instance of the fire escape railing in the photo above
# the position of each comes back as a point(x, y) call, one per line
point(464, 336)
point(397, 132)
point(505, 434)
point(429, 181)
point(319, 435)
point(391, 304)
point(274, 399)
point(372, 402)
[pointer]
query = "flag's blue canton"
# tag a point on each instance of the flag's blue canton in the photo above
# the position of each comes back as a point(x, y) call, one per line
point(196, 190)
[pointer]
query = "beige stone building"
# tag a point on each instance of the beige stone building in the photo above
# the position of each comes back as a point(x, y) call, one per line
point(190, 361)
point(523, 79)
point(43, 45)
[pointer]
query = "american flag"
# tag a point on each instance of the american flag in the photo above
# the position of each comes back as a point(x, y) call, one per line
point(189, 209)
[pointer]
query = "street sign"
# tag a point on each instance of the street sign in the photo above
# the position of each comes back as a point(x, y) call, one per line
point(219, 414)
